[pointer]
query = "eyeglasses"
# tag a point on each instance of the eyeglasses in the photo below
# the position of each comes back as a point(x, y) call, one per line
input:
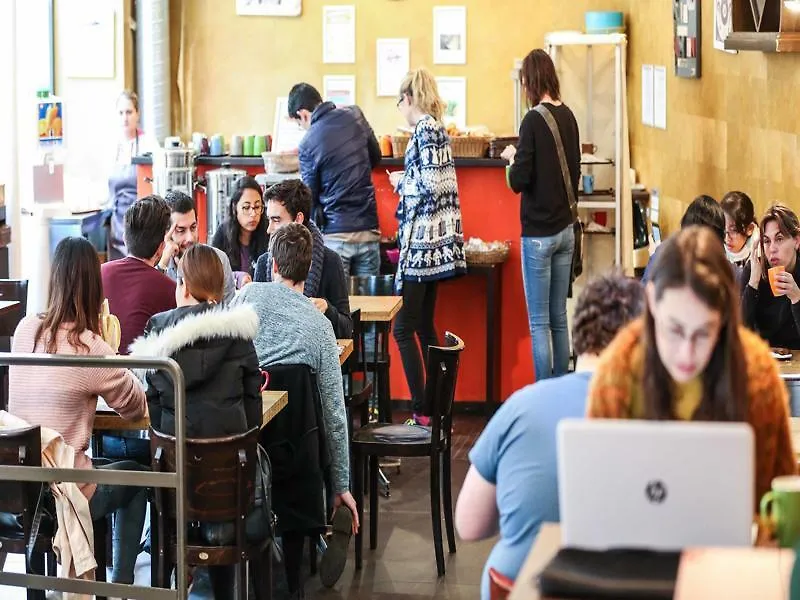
point(256, 209)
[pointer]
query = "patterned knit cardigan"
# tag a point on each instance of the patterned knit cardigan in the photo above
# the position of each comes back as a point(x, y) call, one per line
point(620, 368)
point(429, 214)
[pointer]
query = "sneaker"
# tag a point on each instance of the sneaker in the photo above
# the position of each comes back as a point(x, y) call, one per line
point(331, 565)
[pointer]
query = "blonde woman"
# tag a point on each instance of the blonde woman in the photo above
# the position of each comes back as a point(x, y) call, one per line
point(429, 227)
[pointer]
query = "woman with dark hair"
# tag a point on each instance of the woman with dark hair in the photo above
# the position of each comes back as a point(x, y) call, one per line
point(741, 232)
point(213, 345)
point(689, 358)
point(548, 239)
point(243, 233)
point(65, 398)
point(774, 311)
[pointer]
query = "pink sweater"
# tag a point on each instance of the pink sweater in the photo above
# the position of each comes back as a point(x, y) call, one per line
point(65, 398)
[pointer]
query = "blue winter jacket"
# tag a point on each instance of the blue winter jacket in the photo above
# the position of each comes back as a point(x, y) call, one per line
point(337, 155)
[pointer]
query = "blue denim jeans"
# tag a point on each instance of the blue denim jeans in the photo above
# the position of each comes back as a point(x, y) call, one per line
point(546, 272)
point(128, 504)
point(358, 258)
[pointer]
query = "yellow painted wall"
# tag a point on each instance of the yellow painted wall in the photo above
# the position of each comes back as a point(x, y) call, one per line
point(230, 69)
point(734, 128)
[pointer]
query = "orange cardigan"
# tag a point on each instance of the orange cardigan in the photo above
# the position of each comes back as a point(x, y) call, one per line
point(620, 368)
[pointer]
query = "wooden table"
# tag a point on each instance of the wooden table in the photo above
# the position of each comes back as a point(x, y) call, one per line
point(790, 369)
point(380, 310)
point(105, 419)
point(376, 309)
point(7, 306)
point(345, 350)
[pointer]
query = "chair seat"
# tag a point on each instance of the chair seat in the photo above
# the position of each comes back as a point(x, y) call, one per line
point(393, 434)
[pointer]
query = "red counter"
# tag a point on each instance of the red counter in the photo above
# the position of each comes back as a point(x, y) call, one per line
point(489, 211)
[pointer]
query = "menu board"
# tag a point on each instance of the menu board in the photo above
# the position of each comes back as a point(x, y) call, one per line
point(287, 133)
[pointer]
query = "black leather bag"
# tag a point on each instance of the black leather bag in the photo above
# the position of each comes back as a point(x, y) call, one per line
point(611, 574)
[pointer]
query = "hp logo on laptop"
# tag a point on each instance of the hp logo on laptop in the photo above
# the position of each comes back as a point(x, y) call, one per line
point(656, 492)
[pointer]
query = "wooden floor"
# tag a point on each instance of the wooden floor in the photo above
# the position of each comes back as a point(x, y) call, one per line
point(403, 565)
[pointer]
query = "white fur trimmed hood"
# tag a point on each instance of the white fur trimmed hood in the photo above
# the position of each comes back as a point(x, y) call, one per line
point(240, 321)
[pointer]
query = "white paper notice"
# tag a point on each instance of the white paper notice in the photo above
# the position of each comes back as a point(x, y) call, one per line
point(660, 97)
point(339, 34)
point(648, 114)
point(286, 134)
point(392, 66)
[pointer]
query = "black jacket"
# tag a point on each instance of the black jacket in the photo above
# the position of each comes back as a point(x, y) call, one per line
point(774, 318)
point(259, 244)
point(332, 287)
point(298, 454)
point(536, 172)
point(337, 155)
point(213, 345)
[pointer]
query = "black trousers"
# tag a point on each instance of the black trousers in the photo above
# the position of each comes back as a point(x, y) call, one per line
point(414, 332)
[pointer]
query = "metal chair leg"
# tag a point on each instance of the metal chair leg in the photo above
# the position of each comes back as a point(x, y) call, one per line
point(436, 513)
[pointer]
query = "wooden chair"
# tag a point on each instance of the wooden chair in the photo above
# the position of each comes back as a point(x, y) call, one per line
point(384, 439)
point(10, 289)
point(358, 389)
point(500, 586)
point(220, 483)
point(23, 447)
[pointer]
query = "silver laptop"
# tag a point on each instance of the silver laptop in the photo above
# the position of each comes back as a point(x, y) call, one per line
point(655, 484)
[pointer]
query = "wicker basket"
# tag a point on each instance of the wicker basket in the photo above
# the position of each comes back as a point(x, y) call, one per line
point(399, 145)
point(469, 146)
point(487, 257)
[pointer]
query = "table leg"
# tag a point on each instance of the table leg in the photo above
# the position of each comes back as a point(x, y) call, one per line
point(493, 339)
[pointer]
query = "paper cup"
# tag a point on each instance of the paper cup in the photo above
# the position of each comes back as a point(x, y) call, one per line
point(772, 272)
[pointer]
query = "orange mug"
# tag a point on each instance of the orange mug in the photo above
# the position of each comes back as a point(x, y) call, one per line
point(772, 272)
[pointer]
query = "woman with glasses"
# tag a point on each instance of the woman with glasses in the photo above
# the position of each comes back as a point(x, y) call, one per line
point(689, 358)
point(771, 298)
point(243, 234)
point(741, 233)
point(429, 227)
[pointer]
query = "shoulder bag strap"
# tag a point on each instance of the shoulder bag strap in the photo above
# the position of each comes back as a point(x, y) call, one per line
point(562, 157)
point(36, 523)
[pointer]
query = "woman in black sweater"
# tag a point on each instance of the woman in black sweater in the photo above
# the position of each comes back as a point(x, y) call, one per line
point(775, 316)
point(243, 234)
point(548, 240)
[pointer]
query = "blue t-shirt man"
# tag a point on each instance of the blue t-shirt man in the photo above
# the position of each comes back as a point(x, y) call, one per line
point(517, 453)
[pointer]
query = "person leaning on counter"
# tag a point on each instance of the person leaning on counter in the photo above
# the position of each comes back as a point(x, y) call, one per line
point(336, 156)
point(774, 312)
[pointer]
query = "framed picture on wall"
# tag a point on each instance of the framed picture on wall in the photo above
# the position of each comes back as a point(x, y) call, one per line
point(686, 19)
point(453, 91)
point(723, 23)
point(269, 8)
point(449, 35)
point(339, 89)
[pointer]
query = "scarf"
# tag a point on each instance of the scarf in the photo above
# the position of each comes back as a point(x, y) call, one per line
point(739, 258)
point(314, 279)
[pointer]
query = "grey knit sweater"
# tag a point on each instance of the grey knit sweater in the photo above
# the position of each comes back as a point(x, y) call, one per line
point(293, 331)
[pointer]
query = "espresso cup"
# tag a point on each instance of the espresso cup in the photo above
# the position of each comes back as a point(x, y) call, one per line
point(588, 184)
point(781, 508)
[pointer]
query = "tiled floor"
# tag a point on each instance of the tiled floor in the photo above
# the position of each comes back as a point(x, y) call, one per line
point(403, 565)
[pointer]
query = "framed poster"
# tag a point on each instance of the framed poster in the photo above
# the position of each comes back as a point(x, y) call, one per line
point(723, 23)
point(339, 34)
point(686, 19)
point(449, 35)
point(269, 8)
point(453, 91)
point(392, 65)
point(339, 89)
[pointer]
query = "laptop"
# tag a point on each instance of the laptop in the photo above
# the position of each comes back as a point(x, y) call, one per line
point(660, 485)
